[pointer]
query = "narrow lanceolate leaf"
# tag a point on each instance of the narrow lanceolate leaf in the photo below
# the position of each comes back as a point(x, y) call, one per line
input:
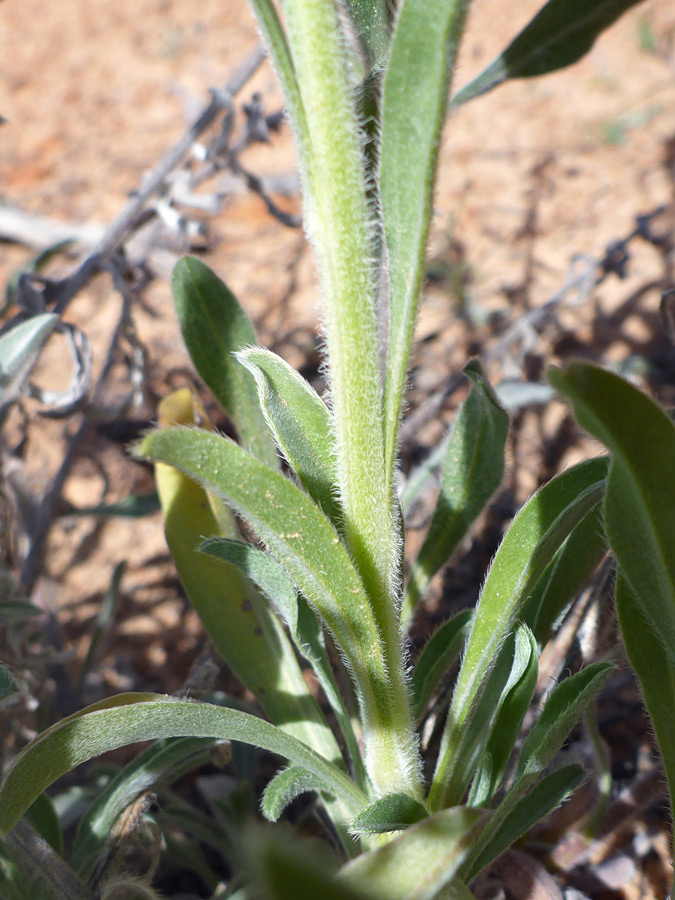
point(301, 424)
point(280, 56)
point(546, 796)
point(655, 673)
point(340, 227)
point(284, 788)
point(214, 326)
point(559, 35)
point(639, 509)
point(239, 621)
point(19, 350)
point(164, 761)
point(268, 575)
point(567, 575)
point(472, 472)
point(562, 711)
point(439, 653)
point(395, 812)
point(307, 545)
point(422, 55)
point(533, 538)
point(130, 718)
point(419, 863)
point(513, 704)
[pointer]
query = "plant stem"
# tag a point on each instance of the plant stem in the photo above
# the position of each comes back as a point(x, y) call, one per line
point(340, 227)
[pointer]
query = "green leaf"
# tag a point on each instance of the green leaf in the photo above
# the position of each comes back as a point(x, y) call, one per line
point(280, 57)
point(639, 508)
point(415, 87)
point(421, 861)
point(295, 870)
point(284, 788)
point(104, 619)
point(301, 424)
point(263, 570)
point(562, 32)
point(8, 685)
point(655, 673)
point(309, 548)
point(19, 350)
point(439, 653)
point(129, 718)
point(563, 708)
point(533, 538)
point(42, 816)
point(241, 624)
point(371, 22)
point(472, 472)
point(395, 812)
point(214, 326)
point(513, 705)
point(560, 714)
point(567, 575)
point(422, 475)
point(267, 574)
point(546, 796)
point(135, 506)
point(164, 761)
point(17, 611)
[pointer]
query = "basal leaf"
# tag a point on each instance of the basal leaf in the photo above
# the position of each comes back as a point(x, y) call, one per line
point(472, 471)
point(241, 624)
point(639, 508)
point(421, 861)
point(307, 545)
point(130, 718)
point(546, 796)
point(301, 424)
point(395, 812)
point(421, 57)
point(214, 326)
point(284, 788)
point(533, 538)
point(275, 584)
point(439, 653)
point(263, 570)
point(560, 34)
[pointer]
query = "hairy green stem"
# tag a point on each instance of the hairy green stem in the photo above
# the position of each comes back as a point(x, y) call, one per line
point(339, 225)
